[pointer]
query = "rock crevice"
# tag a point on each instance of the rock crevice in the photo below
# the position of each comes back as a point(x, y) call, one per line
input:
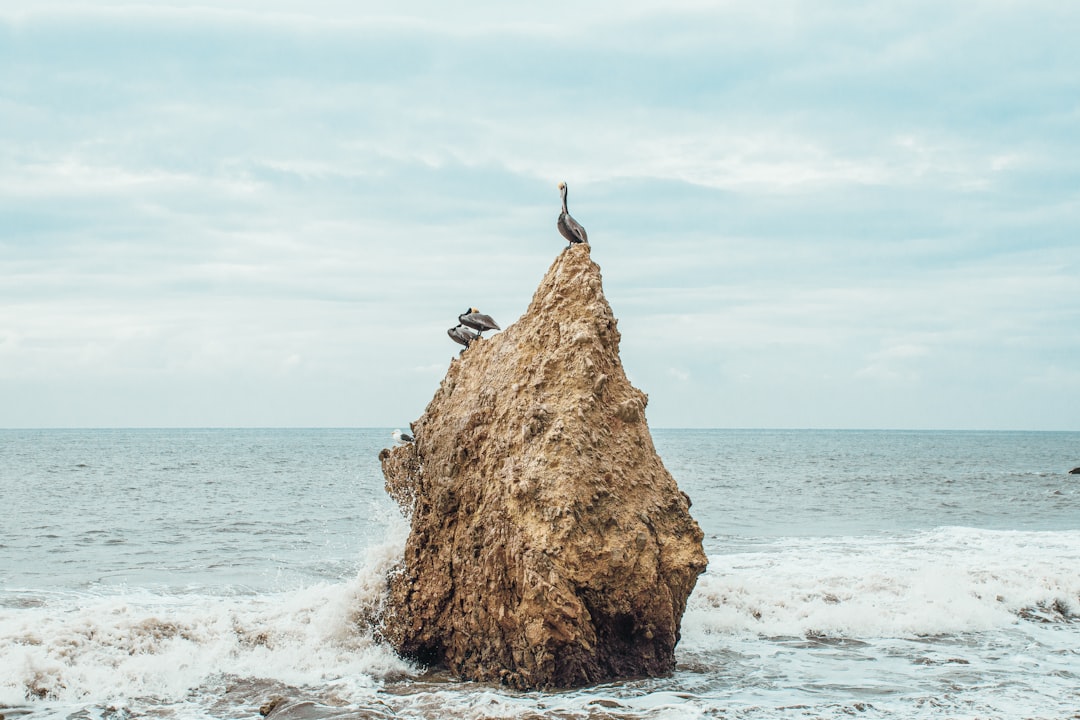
point(549, 546)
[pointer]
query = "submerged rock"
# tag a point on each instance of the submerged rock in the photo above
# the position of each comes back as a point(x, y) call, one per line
point(549, 545)
point(271, 705)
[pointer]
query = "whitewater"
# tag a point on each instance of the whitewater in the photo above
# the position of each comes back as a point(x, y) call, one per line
point(204, 573)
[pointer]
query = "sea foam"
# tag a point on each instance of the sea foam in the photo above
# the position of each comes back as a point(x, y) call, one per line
point(108, 648)
point(873, 604)
point(948, 580)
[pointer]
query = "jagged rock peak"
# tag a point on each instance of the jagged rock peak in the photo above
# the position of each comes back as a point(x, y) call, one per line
point(549, 545)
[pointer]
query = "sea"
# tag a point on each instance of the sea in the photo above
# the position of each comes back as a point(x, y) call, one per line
point(225, 573)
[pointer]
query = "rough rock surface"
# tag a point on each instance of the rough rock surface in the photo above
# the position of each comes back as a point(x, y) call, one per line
point(549, 545)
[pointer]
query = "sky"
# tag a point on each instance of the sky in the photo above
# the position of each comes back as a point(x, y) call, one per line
point(267, 213)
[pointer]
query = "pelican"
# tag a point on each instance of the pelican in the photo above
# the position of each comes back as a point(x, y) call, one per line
point(401, 437)
point(476, 320)
point(462, 335)
point(569, 227)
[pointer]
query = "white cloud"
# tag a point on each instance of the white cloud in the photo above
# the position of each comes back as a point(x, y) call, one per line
point(75, 177)
point(310, 192)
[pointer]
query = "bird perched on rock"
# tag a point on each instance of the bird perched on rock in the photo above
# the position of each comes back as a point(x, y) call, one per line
point(569, 227)
point(462, 335)
point(476, 320)
point(401, 437)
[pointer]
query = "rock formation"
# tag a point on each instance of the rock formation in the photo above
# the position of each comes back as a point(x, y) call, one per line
point(549, 545)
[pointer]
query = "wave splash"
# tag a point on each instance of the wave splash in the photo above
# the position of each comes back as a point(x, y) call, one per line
point(945, 581)
point(108, 649)
point(822, 620)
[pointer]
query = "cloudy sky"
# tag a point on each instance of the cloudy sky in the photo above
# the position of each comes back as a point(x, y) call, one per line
point(807, 214)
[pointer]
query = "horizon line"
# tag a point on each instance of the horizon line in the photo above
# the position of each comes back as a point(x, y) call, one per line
point(389, 428)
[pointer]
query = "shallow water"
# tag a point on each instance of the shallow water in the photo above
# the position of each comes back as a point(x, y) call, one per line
point(201, 573)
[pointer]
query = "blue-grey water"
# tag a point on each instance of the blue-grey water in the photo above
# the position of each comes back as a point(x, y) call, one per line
point(198, 573)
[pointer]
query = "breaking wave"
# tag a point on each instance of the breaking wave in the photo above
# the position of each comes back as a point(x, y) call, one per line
point(760, 605)
point(944, 581)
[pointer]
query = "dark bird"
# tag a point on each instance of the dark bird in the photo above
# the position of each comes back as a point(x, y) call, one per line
point(402, 437)
point(476, 320)
point(462, 335)
point(569, 227)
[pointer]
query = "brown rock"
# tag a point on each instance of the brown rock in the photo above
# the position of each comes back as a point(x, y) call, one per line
point(549, 545)
point(271, 705)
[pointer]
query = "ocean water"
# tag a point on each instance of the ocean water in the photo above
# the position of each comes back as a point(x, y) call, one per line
point(203, 573)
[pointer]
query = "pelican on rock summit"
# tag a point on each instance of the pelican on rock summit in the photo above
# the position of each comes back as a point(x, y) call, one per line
point(570, 228)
